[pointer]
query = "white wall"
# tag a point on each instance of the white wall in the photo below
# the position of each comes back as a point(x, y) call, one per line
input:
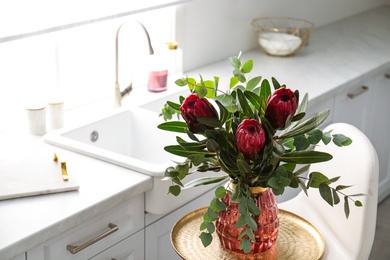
point(207, 30)
point(211, 30)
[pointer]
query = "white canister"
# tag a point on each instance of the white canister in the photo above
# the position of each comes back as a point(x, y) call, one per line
point(36, 120)
point(55, 112)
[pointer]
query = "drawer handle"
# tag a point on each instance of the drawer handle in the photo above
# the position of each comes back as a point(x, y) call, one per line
point(358, 92)
point(76, 249)
point(387, 75)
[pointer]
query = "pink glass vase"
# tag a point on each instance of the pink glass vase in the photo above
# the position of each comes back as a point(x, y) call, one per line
point(267, 223)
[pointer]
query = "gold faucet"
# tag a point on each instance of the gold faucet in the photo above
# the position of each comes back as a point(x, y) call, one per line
point(118, 94)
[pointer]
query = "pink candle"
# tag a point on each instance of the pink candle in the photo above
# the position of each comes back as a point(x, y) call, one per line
point(157, 80)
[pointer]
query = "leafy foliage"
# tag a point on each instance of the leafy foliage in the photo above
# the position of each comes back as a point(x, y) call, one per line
point(214, 149)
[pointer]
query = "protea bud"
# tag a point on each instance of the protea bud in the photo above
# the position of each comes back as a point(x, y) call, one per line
point(250, 138)
point(280, 105)
point(193, 108)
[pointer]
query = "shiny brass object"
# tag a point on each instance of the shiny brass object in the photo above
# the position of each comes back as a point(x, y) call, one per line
point(64, 171)
point(75, 249)
point(297, 239)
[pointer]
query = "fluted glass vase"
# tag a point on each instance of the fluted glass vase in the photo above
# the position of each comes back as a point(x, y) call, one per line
point(267, 222)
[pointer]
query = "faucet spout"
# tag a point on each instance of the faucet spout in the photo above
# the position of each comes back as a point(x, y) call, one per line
point(118, 93)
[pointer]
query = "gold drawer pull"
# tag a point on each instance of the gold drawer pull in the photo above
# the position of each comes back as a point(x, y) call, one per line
point(360, 91)
point(76, 249)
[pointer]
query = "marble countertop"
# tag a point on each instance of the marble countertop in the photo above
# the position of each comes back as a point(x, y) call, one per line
point(338, 55)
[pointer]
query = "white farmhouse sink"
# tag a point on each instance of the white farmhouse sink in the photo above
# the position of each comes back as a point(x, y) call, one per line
point(130, 138)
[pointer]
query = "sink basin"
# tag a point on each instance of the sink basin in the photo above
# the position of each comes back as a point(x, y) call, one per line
point(130, 138)
point(127, 138)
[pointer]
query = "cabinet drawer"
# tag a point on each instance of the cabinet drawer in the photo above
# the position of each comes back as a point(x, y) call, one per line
point(130, 248)
point(95, 235)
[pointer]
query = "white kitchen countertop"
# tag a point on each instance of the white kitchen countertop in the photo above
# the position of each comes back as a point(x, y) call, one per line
point(28, 222)
point(339, 55)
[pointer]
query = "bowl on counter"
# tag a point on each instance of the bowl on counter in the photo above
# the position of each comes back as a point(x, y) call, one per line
point(281, 36)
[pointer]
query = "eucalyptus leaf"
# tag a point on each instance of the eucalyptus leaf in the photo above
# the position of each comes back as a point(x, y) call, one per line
point(346, 207)
point(252, 83)
point(220, 192)
point(326, 193)
point(206, 238)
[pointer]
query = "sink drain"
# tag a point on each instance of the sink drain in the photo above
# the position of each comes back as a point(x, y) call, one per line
point(94, 136)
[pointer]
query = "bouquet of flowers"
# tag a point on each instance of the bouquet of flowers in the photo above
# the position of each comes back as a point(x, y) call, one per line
point(257, 136)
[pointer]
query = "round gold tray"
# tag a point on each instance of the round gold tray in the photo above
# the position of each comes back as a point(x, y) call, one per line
point(297, 239)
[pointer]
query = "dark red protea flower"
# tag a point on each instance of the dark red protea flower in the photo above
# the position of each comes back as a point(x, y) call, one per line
point(193, 108)
point(280, 105)
point(250, 138)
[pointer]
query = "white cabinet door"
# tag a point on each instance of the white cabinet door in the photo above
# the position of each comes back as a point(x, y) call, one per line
point(19, 257)
point(131, 248)
point(158, 243)
point(354, 105)
point(380, 130)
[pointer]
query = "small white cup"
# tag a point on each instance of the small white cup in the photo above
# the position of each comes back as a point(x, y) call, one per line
point(55, 112)
point(36, 120)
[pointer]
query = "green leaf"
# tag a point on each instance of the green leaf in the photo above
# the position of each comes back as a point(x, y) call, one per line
point(358, 203)
point(314, 136)
point(220, 192)
point(174, 190)
point(180, 151)
point(252, 83)
point(206, 238)
point(275, 83)
point(181, 82)
point(253, 98)
point(196, 159)
point(305, 157)
point(301, 143)
point(204, 181)
point(223, 112)
point(341, 140)
point(244, 104)
point(209, 121)
point(336, 198)
point(315, 179)
point(241, 222)
point(243, 166)
point(173, 105)
point(326, 138)
point(235, 62)
point(307, 125)
point(326, 193)
point(265, 91)
point(251, 222)
point(346, 207)
point(341, 187)
point(216, 205)
point(253, 208)
point(247, 67)
point(177, 126)
point(246, 245)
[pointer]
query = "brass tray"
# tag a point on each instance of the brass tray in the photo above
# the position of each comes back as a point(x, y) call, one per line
point(297, 239)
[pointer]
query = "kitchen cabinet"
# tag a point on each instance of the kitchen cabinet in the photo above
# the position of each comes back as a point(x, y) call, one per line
point(353, 106)
point(131, 248)
point(98, 234)
point(20, 257)
point(365, 105)
point(380, 129)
